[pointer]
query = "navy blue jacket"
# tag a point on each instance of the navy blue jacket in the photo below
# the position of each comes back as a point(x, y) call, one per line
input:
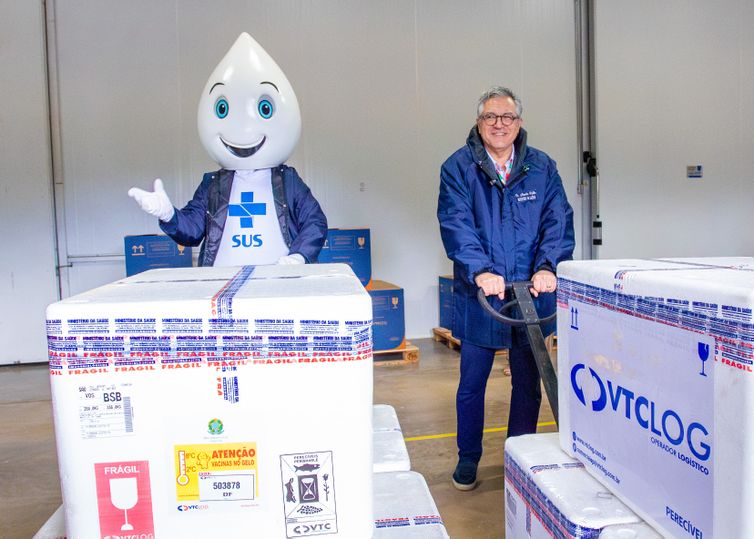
point(511, 230)
point(202, 220)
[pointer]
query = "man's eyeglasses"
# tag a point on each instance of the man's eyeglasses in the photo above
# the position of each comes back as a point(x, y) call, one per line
point(491, 118)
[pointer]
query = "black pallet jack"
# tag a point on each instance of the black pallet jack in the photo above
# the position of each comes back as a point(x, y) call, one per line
point(523, 300)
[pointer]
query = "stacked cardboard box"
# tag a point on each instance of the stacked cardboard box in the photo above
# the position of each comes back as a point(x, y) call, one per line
point(388, 315)
point(352, 246)
point(203, 401)
point(445, 301)
point(153, 251)
point(655, 379)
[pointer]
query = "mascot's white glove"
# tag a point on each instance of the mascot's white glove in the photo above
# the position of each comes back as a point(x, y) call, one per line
point(291, 260)
point(156, 203)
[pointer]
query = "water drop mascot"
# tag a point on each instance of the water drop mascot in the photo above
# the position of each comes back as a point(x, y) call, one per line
point(255, 210)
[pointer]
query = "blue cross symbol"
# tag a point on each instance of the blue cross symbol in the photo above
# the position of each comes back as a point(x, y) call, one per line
point(247, 209)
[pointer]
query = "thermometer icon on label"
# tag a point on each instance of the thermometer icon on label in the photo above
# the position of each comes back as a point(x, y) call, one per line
point(182, 479)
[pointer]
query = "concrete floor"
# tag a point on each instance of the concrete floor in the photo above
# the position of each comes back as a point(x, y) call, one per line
point(423, 395)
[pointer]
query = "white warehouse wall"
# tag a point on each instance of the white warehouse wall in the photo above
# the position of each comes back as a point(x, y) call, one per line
point(674, 88)
point(28, 281)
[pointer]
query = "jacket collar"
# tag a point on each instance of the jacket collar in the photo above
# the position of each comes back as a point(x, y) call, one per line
point(475, 144)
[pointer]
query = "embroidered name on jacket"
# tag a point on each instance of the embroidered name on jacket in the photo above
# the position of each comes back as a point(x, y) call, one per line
point(526, 196)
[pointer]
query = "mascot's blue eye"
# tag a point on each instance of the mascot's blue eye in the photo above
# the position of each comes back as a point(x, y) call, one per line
point(221, 108)
point(265, 109)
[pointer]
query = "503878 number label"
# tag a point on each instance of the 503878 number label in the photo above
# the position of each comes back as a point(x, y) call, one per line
point(226, 486)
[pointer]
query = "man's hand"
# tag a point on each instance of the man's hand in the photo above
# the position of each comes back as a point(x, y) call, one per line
point(156, 203)
point(290, 260)
point(493, 285)
point(543, 281)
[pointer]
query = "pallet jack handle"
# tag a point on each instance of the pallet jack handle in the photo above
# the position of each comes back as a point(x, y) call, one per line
point(522, 298)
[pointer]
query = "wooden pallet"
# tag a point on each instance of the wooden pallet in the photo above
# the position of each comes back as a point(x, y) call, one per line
point(444, 335)
point(406, 355)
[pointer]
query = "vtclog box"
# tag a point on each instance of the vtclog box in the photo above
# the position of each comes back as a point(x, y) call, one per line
point(201, 402)
point(153, 251)
point(656, 387)
point(350, 246)
point(549, 494)
point(389, 327)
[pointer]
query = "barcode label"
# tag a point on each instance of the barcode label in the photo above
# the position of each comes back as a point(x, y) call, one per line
point(128, 414)
point(105, 410)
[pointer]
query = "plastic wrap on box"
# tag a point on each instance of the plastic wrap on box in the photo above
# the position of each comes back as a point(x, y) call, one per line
point(198, 402)
point(404, 508)
point(549, 494)
point(630, 531)
point(655, 387)
point(390, 453)
point(385, 418)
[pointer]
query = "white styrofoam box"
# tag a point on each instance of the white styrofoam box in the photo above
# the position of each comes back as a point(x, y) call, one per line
point(390, 453)
point(549, 494)
point(641, 530)
point(656, 387)
point(385, 418)
point(404, 507)
point(54, 528)
point(201, 401)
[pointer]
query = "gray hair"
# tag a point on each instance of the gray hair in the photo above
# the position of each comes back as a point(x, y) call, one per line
point(499, 91)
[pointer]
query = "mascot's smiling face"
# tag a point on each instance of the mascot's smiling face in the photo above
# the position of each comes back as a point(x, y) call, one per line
point(248, 114)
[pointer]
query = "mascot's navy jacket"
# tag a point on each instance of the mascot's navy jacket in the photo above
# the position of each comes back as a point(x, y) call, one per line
point(302, 222)
point(512, 230)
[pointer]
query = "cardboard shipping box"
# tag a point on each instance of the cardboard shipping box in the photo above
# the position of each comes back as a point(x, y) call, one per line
point(350, 246)
point(389, 319)
point(200, 402)
point(153, 251)
point(445, 300)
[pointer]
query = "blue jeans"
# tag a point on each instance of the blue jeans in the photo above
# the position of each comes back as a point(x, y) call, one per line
point(526, 393)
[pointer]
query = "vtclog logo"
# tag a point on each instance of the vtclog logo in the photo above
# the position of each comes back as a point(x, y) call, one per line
point(661, 421)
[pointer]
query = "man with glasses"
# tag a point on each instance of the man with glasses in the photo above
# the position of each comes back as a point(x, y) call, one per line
point(503, 217)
